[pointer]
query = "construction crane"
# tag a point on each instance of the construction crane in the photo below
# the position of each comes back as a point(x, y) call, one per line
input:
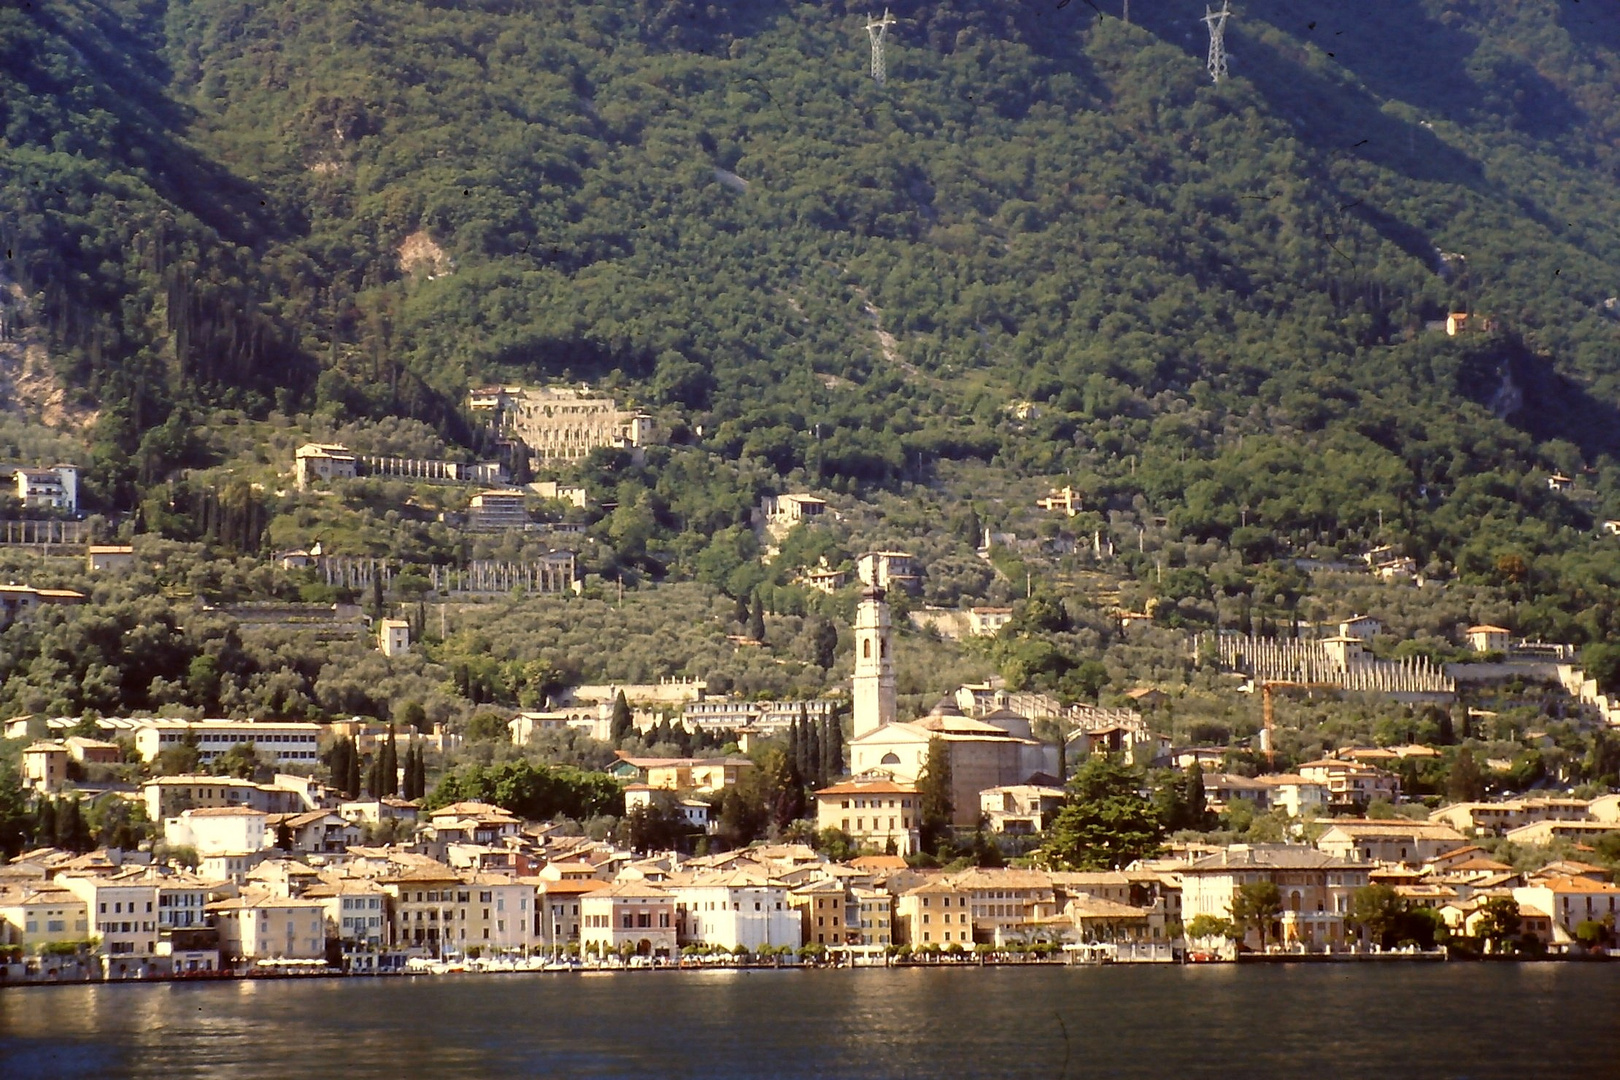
point(1268, 710)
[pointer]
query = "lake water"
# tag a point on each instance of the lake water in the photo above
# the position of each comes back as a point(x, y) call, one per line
point(1319, 1021)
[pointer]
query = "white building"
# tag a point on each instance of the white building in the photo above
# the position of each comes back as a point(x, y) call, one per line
point(394, 637)
point(733, 908)
point(874, 685)
point(219, 830)
point(282, 743)
point(322, 461)
point(56, 488)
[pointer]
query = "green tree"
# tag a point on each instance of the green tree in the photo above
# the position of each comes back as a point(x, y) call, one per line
point(824, 643)
point(181, 759)
point(389, 771)
point(412, 716)
point(1257, 905)
point(935, 802)
point(1209, 926)
point(488, 726)
point(1465, 783)
point(756, 619)
point(621, 724)
point(16, 822)
point(1593, 934)
point(1499, 924)
point(1104, 822)
point(352, 778)
point(284, 835)
point(1197, 806)
point(1379, 912)
point(240, 761)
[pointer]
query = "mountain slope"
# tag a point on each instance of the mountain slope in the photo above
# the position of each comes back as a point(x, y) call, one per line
point(727, 215)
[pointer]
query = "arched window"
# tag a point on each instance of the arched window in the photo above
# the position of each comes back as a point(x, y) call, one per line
point(891, 758)
point(866, 649)
point(1293, 901)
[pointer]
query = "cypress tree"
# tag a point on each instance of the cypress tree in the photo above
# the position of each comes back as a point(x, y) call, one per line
point(1192, 794)
point(934, 803)
point(421, 772)
point(806, 763)
point(374, 776)
point(390, 766)
point(814, 755)
point(376, 602)
point(756, 620)
point(352, 780)
point(45, 823)
point(620, 726)
point(795, 747)
point(832, 747)
point(72, 832)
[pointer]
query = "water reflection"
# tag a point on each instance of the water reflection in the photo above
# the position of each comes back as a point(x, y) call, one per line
point(1330, 1020)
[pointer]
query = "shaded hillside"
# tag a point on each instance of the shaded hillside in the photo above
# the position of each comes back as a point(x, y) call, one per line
point(730, 218)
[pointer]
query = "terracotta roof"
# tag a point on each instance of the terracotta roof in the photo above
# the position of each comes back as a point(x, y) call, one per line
point(868, 787)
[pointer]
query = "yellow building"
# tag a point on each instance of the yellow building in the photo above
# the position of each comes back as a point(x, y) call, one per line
point(260, 926)
point(822, 907)
point(39, 914)
point(875, 813)
point(44, 766)
point(935, 913)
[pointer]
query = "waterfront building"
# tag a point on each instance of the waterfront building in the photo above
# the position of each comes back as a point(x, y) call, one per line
point(1315, 888)
point(123, 912)
point(33, 915)
point(557, 913)
point(634, 916)
point(732, 909)
point(261, 926)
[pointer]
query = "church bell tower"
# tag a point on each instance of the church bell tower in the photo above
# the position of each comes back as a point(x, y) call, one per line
point(874, 664)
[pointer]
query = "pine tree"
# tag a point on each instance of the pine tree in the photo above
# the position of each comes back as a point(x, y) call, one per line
point(1465, 783)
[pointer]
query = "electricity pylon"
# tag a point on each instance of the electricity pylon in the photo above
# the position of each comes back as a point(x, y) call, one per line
point(1216, 20)
point(876, 29)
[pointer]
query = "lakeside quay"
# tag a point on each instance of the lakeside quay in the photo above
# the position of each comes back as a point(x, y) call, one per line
point(691, 965)
point(1039, 1022)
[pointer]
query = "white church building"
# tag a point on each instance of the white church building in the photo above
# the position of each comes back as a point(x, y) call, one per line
point(998, 750)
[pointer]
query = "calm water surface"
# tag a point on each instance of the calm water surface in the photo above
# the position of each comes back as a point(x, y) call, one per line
point(1439, 1020)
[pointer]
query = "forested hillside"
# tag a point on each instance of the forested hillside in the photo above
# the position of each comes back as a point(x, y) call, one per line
point(1212, 298)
